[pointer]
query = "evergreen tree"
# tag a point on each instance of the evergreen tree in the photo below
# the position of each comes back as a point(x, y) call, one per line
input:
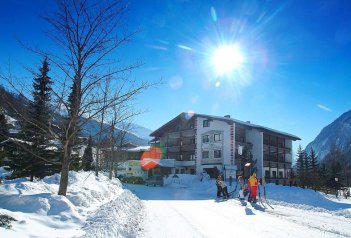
point(314, 165)
point(323, 174)
point(36, 131)
point(88, 156)
point(300, 166)
point(333, 161)
point(3, 135)
point(307, 169)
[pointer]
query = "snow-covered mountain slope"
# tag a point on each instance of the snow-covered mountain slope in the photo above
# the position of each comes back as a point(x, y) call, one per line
point(338, 132)
point(136, 134)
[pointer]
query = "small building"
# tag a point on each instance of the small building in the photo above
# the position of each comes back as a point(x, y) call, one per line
point(126, 160)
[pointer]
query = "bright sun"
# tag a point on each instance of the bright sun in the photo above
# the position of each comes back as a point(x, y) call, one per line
point(226, 59)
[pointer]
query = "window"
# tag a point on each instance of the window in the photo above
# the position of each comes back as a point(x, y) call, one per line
point(274, 174)
point(206, 123)
point(205, 138)
point(218, 154)
point(205, 154)
point(193, 141)
point(217, 137)
point(192, 157)
point(266, 173)
point(280, 174)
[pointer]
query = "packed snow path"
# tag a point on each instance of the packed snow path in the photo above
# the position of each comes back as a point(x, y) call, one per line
point(182, 212)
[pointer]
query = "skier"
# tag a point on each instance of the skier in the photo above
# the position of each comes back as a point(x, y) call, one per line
point(224, 189)
point(219, 187)
point(253, 187)
point(243, 189)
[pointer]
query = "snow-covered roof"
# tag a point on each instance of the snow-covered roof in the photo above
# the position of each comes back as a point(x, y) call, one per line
point(137, 149)
point(16, 141)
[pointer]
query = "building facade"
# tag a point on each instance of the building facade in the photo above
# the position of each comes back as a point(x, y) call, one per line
point(198, 142)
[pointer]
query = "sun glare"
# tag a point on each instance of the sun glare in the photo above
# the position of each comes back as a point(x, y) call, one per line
point(226, 59)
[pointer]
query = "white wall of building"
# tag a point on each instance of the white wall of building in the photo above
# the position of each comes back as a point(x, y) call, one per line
point(133, 168)
point(218, 126)
point(256, 138)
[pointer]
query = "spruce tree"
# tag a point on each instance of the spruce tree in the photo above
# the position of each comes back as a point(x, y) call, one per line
point(307, 169)
point(314, 165)
point(88, 156)
point(300, 166)
point(333, 161)
point(3, 135)
point(323, 175)
point(35, 133)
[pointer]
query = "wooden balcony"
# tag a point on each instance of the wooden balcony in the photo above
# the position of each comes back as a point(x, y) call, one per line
point(190, 147)
point(184, 163)
point(275, 164)
point(212, 161)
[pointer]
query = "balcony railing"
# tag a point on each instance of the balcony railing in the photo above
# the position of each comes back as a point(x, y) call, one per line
point(212, 161)
point(189, 147)
point(275, 164)
point(184, 163)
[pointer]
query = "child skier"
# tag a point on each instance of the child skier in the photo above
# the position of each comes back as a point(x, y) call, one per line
point(253, 187)
point(219, 187)
point(224, 189)
point(242, 190)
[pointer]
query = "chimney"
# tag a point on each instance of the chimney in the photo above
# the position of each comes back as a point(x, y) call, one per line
point(227, 116)
point(248, 122)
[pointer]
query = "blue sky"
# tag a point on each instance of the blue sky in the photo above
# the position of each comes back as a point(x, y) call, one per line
point(296, 74)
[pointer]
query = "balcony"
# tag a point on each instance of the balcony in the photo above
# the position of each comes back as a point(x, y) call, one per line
point(274, 148)
point(212, 161)
point(188, 133)
point(184, 163)
point(173, 149)
point(275, 164)
point(189, 147)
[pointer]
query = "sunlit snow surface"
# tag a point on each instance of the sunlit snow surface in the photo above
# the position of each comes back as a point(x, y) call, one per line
point(184, 207)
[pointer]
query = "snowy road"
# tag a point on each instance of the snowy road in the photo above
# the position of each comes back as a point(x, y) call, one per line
point(175, 212)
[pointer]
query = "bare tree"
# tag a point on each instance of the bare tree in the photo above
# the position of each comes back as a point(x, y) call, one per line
point(86, 34)
point(121, 117)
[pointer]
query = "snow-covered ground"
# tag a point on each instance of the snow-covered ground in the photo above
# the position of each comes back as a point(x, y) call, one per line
point(184, 207)
point(94, 207)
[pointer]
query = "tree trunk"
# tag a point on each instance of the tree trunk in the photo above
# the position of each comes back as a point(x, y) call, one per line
point(97, 161)
point(64, 177)
point(111, 163)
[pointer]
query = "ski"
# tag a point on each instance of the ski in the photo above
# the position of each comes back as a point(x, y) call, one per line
point(266, 202)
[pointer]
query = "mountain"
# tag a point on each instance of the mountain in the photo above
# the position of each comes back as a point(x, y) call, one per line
point(136, 134)
point(338, 132)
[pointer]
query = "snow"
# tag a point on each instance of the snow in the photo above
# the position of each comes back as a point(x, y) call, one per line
point(90, 202)
point(184, 207)
point(10, 120)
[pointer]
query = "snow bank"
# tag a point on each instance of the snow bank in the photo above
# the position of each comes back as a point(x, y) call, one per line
point(307, 199)
point(121, 217)
point(90, 202)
